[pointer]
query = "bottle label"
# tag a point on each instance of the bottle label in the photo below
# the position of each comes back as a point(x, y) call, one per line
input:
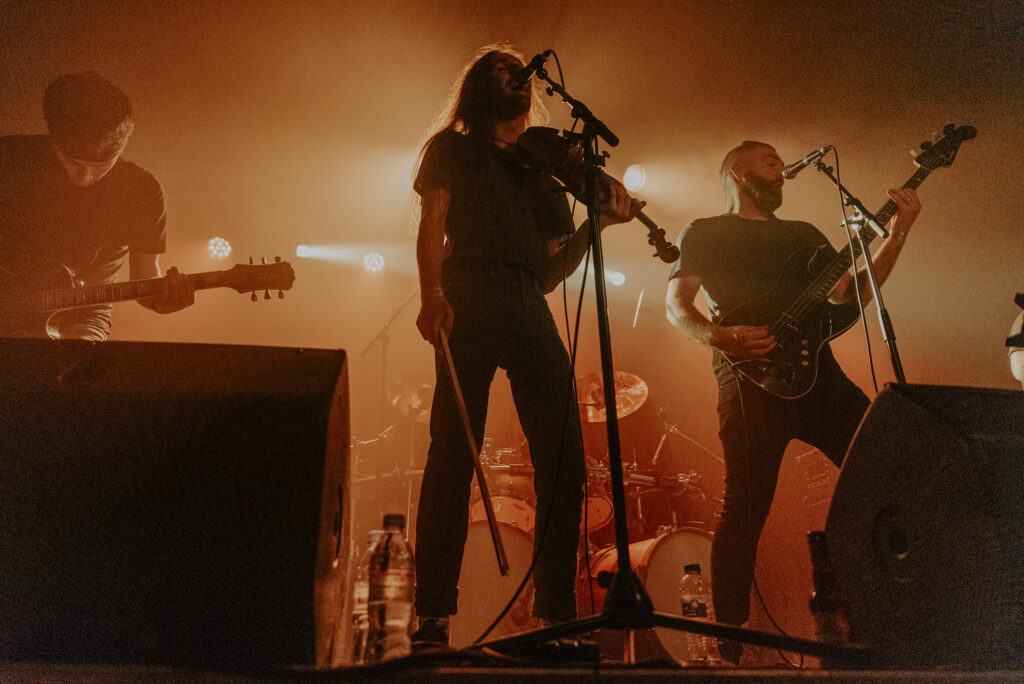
point(694, 609)
point(390, 585)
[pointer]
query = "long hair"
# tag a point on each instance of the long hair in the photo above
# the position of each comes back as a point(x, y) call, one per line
point(467, 108)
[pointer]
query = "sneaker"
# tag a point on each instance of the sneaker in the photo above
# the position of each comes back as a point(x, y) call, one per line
point(431, 631)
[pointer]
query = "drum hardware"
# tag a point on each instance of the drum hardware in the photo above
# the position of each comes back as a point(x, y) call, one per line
point(630, 394)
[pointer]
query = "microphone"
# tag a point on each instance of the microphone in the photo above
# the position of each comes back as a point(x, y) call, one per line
point(796, 167)
point(520, 80)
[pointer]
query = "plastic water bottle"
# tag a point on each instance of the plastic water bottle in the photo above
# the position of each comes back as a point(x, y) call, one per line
point(828, 604)
point(389, 604)
point(695, 601)
point(360, 596)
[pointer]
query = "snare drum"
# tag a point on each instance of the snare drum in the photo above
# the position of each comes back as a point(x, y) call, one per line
point(659, 564)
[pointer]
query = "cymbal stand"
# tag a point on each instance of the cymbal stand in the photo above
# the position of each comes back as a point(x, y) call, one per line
point(627, 605)
point(383, 338)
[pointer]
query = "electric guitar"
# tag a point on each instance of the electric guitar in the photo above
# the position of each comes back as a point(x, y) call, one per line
point(31, 298)
point(797, 309)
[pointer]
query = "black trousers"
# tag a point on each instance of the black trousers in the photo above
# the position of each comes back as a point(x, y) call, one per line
point(502, 320)
point(755, 428)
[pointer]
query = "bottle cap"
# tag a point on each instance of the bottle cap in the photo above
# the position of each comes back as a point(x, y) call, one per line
point(394, 520)
point(692, 567)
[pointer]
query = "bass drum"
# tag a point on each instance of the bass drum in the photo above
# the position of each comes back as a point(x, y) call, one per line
point(483, 592)
point(658, 563)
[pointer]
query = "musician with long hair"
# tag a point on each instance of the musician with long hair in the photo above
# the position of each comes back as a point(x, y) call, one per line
point(495, 237)
point(733, 259)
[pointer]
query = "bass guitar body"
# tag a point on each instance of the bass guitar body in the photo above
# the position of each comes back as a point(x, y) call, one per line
point(22, 321)
point(792, 366)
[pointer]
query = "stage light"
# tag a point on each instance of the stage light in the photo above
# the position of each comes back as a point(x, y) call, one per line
point(634, 178)
point(614, 277)
point(373, 262)
point(218, 248)
point(374, 256)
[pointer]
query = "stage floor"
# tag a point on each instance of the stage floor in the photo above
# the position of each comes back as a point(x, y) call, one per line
point(421, 673)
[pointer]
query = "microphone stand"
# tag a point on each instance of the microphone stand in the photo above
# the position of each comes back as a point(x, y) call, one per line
point(627, 605)
point(861, 217)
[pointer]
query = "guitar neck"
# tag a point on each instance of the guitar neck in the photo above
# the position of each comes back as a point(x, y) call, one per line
point(828, 278)
point(70, 298)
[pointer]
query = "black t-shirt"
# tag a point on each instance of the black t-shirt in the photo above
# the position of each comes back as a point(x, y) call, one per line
point(44, 216)
point(739, 259)
point(499, 210)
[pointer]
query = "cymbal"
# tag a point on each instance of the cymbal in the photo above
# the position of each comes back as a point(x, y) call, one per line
point(630, 394)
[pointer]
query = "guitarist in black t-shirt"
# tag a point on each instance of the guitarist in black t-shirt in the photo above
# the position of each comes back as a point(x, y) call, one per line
point(72, 210)
point(735, 259)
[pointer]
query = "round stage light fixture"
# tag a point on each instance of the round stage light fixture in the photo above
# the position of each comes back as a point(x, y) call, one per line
point(218, 248)
point(373, 262)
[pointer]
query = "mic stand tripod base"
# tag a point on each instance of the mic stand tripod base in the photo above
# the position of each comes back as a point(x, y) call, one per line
point(525, 645)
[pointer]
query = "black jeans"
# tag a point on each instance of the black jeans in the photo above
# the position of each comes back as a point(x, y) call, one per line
point(502, 320)
point(755, 427)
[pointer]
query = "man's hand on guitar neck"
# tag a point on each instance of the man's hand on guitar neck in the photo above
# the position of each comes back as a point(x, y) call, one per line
point(744, 341)
point(179, 292)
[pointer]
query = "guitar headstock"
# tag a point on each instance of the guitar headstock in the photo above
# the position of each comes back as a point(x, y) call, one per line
point(252, 277)
point(942, 152)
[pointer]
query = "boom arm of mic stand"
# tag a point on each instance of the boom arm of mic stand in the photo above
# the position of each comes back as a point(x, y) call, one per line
point(579, 110)
point(851, 201)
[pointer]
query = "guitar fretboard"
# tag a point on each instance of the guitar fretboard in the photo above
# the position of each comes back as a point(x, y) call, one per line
point(822, 285)
point(69, 298)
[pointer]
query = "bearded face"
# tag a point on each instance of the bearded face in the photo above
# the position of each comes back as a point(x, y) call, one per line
point(507, 103)
point(767, 195)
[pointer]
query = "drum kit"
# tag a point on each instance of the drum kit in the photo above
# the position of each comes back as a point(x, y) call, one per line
point(672, 515)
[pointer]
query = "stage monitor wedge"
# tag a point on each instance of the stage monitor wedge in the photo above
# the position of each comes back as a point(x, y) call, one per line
point(172, 503)
point(926, 530)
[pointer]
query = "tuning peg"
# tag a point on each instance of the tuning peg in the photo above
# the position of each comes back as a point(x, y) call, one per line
point(277, 260)
point(263, 260)
point(250, 261)
point(913, 153)
point(253, 297)
point(266, 294)
point(280, 294)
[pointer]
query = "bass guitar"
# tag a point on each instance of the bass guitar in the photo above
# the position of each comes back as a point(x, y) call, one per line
point(797, 309)
point(31, 298)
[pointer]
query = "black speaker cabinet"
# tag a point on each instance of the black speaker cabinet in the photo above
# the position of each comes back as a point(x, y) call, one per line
point(926, 528)
point(172, 503)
